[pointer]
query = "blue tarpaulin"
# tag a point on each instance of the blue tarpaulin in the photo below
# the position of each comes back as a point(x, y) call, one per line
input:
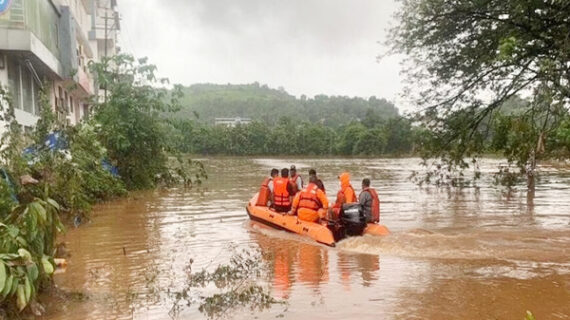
point(56, 142)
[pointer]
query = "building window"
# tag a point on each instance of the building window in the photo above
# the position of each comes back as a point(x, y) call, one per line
point(66, 103)
point(37, 99)
point(14, 83)
point(25, 92)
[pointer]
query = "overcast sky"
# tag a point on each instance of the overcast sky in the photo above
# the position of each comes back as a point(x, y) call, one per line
point(306, 46)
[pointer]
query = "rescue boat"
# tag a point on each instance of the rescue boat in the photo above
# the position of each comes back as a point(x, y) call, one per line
point(317, 231)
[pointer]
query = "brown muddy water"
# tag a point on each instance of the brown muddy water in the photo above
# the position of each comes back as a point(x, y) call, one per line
point(476, 254)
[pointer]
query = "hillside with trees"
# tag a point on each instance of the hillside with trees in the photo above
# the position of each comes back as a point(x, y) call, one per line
point(284, 124)
point(267, 105)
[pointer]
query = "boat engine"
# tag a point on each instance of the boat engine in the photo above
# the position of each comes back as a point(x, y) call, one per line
point(353, 219)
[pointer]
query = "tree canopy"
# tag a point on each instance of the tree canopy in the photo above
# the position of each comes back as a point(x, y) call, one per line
point(292, 138)
point(469, 57)
point(261, 103)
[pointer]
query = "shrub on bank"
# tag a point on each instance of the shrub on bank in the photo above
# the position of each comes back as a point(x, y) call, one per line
point(61, 170)
point(54, 170)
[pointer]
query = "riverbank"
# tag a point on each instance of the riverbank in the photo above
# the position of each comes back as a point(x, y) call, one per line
point(54, 169)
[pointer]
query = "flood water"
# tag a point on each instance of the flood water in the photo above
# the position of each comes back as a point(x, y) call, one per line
point(481, 253)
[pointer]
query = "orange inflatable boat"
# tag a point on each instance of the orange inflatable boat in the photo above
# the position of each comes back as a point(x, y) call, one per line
point(318, 231)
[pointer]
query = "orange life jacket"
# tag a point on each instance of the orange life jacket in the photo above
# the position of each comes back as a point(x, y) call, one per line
point(280, 193)
point(293, 181)
point(375, 207)
point(308, 198)
point(264, 193)
point(348, 194)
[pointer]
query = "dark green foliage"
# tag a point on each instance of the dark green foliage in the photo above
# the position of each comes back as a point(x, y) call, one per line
point(29, 224)
point(85, 172)
point(349, 137)
point(468, 60)
point(73, 176)
point(268, 105)
point(134, 134)
point(370, 142)
point(285, 125)
point(27, 238)
point(29, 215)
point(561, 139)
point(292, 138)
point(399, 136)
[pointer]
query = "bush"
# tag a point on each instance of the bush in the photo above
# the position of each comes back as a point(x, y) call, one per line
point(29, 223)
point(71, 172)
point(134, 134)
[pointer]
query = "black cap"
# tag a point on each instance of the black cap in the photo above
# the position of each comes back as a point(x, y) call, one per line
point(293, 167)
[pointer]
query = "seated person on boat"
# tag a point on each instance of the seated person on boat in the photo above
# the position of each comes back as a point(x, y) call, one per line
point(346, 194)
point(266, 190)
point(282, 192)
point(296, 180)
point(370, 202)
point(311, 203)
point(320, 184)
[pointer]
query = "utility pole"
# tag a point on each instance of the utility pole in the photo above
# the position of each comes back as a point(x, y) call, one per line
point(105, 58)
point(108, 27)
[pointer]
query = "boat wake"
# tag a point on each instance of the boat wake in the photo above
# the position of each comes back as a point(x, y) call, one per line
point(500, 244)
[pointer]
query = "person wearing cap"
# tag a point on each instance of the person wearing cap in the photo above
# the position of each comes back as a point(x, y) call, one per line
point(295, 180)
point(346, 194)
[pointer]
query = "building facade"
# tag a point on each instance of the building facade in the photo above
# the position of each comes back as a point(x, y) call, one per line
point(231, 122)
point(45, 49)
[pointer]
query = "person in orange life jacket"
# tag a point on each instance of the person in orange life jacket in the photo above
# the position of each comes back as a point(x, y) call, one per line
point(274, 174)
point(311, 203)
point(266, 191)
point(282, 192)
point(346, 194)
point(296, 180)
point(320, 184)
point(369, 200)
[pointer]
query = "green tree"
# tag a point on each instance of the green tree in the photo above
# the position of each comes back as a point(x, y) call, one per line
point(268, 105)
point(399, 136)
point(371, 118)
point(134, 135)
point(370, 142)
point(476, 55)
point(350, 135)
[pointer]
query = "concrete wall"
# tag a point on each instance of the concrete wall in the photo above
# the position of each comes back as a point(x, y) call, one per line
point(56, 39)
point(67, 43)
point(38, 16)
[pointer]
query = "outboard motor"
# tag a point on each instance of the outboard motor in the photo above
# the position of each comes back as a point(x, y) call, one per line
point(337, 229)
point(353, 219)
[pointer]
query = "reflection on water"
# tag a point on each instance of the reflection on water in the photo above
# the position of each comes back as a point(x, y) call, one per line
point(478, 253)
